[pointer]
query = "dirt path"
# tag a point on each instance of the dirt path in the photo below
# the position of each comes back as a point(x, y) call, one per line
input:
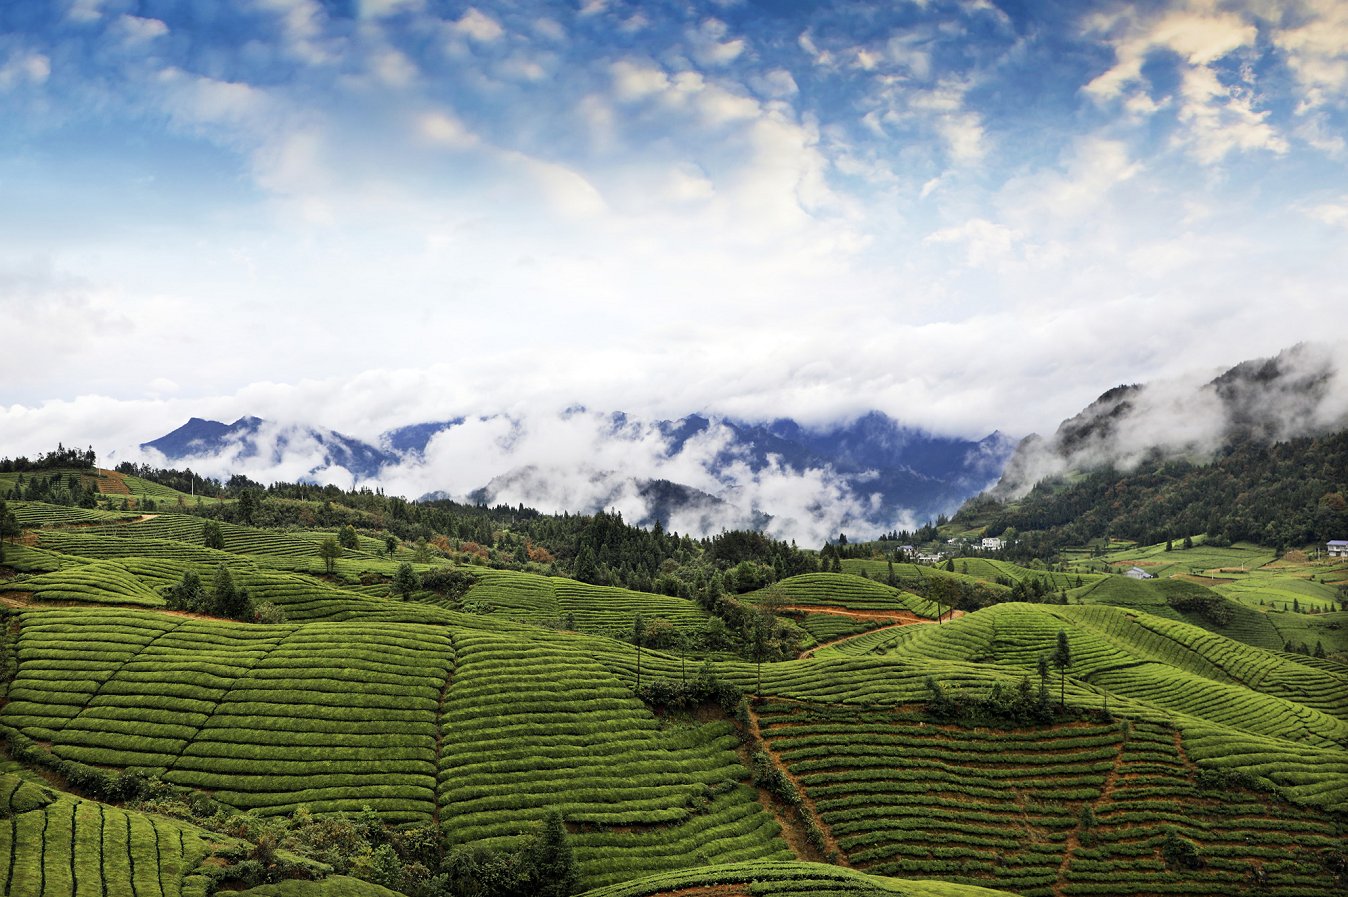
point(793, 827)
point(896, 616)
point(1074, 838)
point(143, 517)
point(894, 619)
point(805, 655)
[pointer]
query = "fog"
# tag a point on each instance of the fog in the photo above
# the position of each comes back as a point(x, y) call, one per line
point(1301, 391)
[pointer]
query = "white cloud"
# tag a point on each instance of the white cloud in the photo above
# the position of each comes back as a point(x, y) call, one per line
point(776, 83)
point(24, 67)
point(393, 68)
point(1217, 112)
point(445, 129)
point(84, 11)
point(479, 26)
point(635, 80)
point(985, 242)
point(1334, 213)
point(302, 24)
point(1316, 48)
point(377, 9)
point(711, 46)
point(138, 29)
point(1221, 120)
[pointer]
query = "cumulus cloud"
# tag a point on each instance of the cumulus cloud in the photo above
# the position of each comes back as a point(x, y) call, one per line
point(1218, 108)
point(483, 209)
point(711, 44)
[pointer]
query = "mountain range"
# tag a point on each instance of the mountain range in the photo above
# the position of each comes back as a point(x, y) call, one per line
point(702, 473)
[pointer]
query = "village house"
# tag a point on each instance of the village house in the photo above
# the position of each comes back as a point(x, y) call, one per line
point(1338, 548)
point(992, 543)
point(1138, 573)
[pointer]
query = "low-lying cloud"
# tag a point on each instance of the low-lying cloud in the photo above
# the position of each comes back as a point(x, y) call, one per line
point(1302, 391)
point(575, 461)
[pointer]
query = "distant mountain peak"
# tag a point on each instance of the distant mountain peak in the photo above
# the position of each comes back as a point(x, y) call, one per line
point(698, 472)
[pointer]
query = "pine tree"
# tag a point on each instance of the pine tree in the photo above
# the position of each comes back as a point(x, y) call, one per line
point(553, 864)
point(188, 594)
point(1062, 659)
point(227, 600)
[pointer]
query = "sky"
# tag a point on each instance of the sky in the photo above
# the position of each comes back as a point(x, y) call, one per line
point(969, 215)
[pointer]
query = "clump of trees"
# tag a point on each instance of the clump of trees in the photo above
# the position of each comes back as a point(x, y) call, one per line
point(60, 458)
point(1022, 705)
point(222, 599)
point(63, 487)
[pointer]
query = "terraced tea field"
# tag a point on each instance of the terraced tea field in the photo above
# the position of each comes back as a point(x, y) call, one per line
point(835, 590)
point(53, 844)
point(527, 729)
point(783, 879)
point(331, 716)
point(1084, 808)
point(589, 608)
point(477, 716)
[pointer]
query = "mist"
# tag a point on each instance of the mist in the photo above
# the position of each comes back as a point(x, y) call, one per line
point(1303, 391)
point(578, 461)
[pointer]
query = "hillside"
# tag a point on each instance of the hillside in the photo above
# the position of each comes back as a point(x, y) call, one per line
point(439, 735)
point(1288, 494)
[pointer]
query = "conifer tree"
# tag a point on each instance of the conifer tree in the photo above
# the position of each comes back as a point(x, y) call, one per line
point(1062, 659)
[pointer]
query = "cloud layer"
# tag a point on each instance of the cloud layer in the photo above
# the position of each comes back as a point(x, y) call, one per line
point(967, 217)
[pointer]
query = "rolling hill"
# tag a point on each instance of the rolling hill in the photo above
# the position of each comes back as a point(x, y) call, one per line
point(441, 734)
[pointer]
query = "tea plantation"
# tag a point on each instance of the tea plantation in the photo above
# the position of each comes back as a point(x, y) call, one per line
point(392, 719)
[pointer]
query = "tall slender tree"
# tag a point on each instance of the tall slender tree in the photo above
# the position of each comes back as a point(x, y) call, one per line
point(1062, 659)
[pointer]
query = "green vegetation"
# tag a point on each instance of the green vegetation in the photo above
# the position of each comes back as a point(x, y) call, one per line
point(786, 879)
point(52, 843)
point(396, 698)
point(1284, 495)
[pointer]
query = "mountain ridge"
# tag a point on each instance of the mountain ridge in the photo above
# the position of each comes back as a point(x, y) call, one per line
point(875, 472)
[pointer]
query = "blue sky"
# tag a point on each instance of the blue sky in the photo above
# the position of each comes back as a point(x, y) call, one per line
point(970, 215)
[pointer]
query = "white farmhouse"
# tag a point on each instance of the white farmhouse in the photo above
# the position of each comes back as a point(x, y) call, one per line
point(1138, 573)
point(992, 543)
point(1338, 548)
